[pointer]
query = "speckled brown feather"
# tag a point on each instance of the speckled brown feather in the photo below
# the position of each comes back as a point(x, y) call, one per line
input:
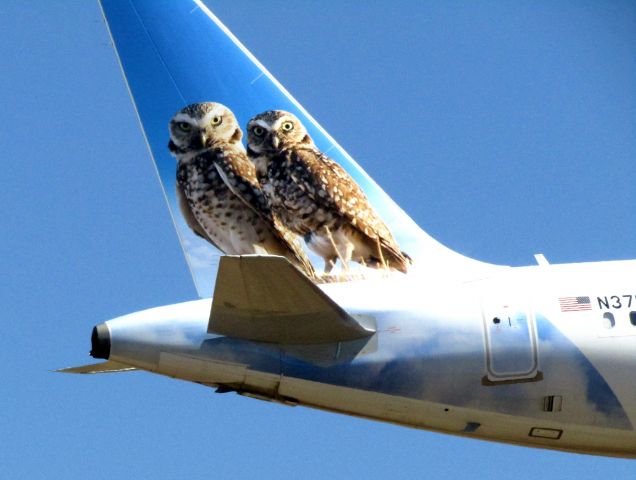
point(217, 190)
point(189, 217)
point(239, 175)
point(310, 191)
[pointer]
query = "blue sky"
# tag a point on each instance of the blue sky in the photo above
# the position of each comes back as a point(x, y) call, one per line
point(503, 128)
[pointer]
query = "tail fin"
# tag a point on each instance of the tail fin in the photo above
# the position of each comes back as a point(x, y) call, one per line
point(176, 53)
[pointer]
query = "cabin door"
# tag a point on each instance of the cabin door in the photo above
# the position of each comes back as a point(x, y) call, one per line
point(510, 342)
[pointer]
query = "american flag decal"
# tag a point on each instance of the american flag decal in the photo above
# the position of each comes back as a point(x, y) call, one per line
point(575, 304)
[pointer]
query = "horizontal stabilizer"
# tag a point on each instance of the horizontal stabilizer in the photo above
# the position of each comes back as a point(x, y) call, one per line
point(266, 299)
point(104, 367)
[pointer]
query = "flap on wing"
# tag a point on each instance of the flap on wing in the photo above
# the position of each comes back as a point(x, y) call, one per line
point(266, 299)
point(104, 367)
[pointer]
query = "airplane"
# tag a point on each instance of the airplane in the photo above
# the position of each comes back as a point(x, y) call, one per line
point(538, 356)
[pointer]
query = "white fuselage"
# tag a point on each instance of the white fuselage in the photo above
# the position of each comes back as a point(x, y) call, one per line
point(542, 356)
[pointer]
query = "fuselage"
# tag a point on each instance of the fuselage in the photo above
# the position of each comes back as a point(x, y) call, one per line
point(542, 356)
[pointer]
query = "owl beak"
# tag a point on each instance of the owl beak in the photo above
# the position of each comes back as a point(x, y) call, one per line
point(275, 141)
point(204, 140)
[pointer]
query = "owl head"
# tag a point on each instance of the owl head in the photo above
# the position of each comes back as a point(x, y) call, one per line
point(203, 125)
point(275, 130)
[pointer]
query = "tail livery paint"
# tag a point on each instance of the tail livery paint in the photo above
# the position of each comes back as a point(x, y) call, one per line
point(316, 195)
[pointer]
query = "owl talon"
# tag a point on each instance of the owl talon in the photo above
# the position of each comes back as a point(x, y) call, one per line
point(329, 264)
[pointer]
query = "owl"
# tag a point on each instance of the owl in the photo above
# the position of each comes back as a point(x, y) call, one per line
point(217, 189)
point(316, 198)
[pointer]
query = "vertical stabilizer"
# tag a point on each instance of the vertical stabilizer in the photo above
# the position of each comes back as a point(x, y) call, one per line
point(177, 53)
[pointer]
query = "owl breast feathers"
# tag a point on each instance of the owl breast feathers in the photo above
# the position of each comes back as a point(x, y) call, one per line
point(316, 198)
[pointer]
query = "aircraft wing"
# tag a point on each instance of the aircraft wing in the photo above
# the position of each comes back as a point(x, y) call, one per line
point(265, 298)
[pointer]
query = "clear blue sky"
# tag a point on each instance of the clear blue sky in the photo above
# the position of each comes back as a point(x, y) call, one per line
point(504, 129)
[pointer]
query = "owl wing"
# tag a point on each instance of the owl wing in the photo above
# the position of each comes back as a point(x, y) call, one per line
point(327, 182)
point(190, 218)
point(239, 174)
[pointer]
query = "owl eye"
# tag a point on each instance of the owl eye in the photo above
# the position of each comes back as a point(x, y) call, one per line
point(287, 126)
point(217, 120)
point(258, 131)
point(184, 126)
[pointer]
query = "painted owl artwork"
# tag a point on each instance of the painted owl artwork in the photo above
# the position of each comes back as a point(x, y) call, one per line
point(316, 198)
point(217, 190)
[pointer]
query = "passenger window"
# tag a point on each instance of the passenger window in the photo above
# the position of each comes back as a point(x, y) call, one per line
point(632, 318)
point(608, 320)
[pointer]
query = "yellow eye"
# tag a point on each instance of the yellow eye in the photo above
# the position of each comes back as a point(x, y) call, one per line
point(184, 126)
point(287, 126)
point(216, 120)
point(258, 131)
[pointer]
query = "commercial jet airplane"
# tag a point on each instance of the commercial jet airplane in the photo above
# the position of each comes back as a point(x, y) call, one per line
point(338, 300)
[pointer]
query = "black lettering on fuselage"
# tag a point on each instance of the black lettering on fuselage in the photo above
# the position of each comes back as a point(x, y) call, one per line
point(615, 302)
